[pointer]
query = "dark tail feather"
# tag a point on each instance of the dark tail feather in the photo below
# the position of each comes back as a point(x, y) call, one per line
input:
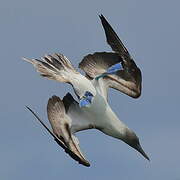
point(56, 67)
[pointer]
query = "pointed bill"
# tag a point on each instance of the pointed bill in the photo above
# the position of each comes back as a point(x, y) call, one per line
point(140, 150)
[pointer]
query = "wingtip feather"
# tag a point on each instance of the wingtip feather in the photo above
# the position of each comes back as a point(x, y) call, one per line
point(27, 60)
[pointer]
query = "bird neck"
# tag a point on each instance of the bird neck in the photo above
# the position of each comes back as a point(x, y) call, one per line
point(114, 127)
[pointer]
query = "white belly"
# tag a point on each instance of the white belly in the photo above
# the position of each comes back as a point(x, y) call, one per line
point(98, 115)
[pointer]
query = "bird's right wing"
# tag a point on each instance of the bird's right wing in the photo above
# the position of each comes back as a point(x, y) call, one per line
point(61, 125)
point(67, 118)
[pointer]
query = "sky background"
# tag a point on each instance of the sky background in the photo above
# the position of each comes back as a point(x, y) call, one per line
point(149, 29)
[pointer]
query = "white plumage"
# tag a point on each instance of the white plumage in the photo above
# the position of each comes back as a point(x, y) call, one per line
point(67, 117)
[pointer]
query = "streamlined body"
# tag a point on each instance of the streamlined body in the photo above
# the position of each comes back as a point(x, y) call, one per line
point(103, 71)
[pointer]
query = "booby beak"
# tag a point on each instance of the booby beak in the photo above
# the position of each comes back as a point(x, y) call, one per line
point(140, 150)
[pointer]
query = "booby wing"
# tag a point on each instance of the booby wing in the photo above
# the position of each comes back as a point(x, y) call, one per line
point(128, 79)
point(64, 126)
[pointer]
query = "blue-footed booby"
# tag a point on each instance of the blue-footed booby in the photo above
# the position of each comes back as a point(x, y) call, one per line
point(103, 70)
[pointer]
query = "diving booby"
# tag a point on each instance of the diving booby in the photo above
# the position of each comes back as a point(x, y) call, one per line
point(103, 70)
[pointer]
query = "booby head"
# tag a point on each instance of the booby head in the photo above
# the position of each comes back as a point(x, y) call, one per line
point(133, 141)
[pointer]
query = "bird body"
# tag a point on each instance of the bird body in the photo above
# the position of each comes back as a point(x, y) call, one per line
point(103, 70)
point(99, 115)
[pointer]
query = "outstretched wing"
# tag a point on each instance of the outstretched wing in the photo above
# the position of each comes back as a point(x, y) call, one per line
point(61, 124)
point(67, 118)
point(58, 67)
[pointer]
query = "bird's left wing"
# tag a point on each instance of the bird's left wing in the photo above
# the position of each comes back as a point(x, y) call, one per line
point(67, 118)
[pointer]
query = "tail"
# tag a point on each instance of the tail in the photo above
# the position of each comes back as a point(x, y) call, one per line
point(56, 67)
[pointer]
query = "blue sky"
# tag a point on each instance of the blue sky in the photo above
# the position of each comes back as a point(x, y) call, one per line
point(150, 31)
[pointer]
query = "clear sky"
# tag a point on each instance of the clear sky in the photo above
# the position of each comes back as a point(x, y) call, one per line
point(149, 29)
